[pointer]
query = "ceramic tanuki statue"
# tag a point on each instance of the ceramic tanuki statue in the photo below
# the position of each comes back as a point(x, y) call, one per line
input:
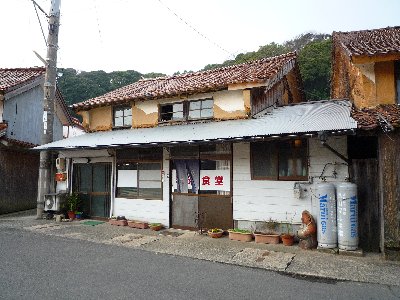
point(308, 231)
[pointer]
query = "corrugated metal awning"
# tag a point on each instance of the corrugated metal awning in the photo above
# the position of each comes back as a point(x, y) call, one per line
point(295, 119)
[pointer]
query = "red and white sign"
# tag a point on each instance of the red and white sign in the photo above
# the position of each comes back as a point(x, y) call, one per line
point(215, 180)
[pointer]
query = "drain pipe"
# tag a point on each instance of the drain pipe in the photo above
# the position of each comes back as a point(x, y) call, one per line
point(323, 137)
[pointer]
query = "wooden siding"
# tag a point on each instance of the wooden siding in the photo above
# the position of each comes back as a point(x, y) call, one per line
point(259, 200)
point(19, 173)
point(262, 99)
point(389, 173)
point(24, 115)
point(365, 175)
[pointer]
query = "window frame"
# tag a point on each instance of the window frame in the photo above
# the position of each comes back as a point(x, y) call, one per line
point(123, 108)
point(186, 110)
point(138, 163)
point(277, 146)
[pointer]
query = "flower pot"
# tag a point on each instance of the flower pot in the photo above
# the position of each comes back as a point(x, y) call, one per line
point(287, 239)
point(156, 227)
point(118, 222)
point(215, 235)
point(266, 238)
point(138, 224)
point(239, 236)
point(71, 215)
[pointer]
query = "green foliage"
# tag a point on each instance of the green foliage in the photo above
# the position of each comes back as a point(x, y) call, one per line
point(73, 201)
point(315, 69)
point(240, 230)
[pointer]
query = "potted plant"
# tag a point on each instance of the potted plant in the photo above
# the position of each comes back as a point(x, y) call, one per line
point(241, 235)
point(72, 201)
point(156, 226)
point(288, 236)
point(78, 214)
point(268, 235)
point(215, 233)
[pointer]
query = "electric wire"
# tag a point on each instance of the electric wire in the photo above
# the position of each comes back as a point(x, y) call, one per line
point(40, 23)
point(98, 22)
point(197, 31)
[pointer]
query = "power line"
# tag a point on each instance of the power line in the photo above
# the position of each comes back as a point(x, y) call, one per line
point(195, 30)
point(40, 23)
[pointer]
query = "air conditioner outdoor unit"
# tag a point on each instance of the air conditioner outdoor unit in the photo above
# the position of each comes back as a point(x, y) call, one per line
point(53, 201)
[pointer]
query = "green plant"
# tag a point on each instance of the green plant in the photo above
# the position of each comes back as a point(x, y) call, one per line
point(215, 230)
point(270, 226)
point(72, 201)
point(240, 230)
point(287, 226)
point(155, 224)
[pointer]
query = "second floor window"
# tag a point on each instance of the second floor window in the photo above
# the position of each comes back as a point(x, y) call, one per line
point(122, 116)
point(187, 110)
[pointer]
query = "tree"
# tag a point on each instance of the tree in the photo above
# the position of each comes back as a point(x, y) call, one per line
point(315, 69)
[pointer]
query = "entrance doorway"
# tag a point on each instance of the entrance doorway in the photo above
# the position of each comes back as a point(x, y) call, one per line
point(201, 186)
point(93, 184)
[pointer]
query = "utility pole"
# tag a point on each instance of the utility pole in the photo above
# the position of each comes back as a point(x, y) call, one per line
point(48, 105)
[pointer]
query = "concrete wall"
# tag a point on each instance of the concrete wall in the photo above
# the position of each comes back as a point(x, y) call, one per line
point(259, 200)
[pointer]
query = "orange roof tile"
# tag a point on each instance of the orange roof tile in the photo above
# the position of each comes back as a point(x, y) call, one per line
point(370, 42)
point(371, 118)
point(12, 78)
point(256, 71)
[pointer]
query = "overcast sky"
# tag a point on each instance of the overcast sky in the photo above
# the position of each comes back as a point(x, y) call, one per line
point(147, 36)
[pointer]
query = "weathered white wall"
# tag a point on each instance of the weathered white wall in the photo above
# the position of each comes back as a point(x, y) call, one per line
point(259, 200)
point(153, 211)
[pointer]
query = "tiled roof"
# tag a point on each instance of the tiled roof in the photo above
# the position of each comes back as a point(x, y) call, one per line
point(191, 83)
point(370, 42)
point(12, 78)
point(383, 116)
point(3, 126)
point(76, 122)
point(20, 143)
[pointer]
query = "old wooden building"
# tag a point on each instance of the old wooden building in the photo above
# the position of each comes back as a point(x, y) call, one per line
point(237, 145)
point(366, 70)
point(21, 115)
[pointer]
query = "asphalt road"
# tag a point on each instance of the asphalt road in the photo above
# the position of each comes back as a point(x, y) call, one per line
point(35, 266)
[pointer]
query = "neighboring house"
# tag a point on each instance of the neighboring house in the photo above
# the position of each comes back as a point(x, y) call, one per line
point(366, 70)
point(232, 147)
point(73, 130)
point(21, 115)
